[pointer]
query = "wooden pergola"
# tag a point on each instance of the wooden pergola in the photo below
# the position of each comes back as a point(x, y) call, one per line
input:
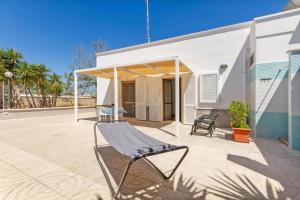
point(164, 67)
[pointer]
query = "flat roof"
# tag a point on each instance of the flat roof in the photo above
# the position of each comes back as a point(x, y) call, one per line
point(203, 33)
point(179, 38)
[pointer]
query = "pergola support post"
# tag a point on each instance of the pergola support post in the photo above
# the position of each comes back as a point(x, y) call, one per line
point(116, 102)
point(75, 98)
point(177, 93)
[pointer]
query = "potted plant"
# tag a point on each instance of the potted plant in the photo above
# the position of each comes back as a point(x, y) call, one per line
point(238, 115)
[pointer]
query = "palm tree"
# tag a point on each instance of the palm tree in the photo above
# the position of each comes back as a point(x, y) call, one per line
point(55, 87)
point(2, 71)
point(10, 60)
point(25, 76)
point(68, 84)
point(41, 74)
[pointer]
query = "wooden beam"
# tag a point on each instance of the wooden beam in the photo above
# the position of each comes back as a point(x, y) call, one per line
point(130, 71)
point(105, 74)
point(129, 77)
point(155, 68)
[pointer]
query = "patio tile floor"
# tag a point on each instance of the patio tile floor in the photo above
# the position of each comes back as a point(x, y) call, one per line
point(50, 157)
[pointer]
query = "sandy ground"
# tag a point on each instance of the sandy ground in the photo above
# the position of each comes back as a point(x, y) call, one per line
point(50, 157)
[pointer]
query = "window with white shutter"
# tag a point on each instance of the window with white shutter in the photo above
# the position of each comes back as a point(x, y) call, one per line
point(208, 88)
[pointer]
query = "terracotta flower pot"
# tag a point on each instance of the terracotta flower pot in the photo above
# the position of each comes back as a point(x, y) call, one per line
point(241, 134)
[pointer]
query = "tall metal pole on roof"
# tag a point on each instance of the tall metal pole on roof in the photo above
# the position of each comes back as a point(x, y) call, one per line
point(147, 28)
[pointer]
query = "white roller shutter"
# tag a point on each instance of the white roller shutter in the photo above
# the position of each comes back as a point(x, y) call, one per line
point(155, 99)
point(208, 85)
point(189, 96)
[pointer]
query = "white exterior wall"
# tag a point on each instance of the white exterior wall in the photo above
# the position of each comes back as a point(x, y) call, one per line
point(250, 70)
point(202, 54)
point(267, 37)
point(274, 35)
point(105, 94)
point(263, 85)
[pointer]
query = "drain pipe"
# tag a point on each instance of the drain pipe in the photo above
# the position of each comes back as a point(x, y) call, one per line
point(290, 139)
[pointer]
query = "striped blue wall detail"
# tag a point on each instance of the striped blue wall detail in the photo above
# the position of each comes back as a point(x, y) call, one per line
point(296, 132)
point(263, 70)
point(275, 124)
point(295, 62)
point(295, 69)
point(272, 125)
point(270, 70)
point(250, 75)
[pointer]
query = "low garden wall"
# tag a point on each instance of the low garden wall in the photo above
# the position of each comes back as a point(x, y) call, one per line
point(63, 101)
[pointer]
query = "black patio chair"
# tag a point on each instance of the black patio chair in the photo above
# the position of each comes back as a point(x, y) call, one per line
point(206, 122)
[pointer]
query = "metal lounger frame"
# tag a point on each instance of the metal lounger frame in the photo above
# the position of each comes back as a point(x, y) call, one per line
point(115, 194)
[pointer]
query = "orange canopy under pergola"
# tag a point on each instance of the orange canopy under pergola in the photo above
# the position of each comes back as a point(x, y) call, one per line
point(161, 67)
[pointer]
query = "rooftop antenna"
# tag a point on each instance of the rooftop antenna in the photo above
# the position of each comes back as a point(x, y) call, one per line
point(147, 27)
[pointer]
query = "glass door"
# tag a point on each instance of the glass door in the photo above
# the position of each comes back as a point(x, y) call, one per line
point(168, 99)
point(128, 98)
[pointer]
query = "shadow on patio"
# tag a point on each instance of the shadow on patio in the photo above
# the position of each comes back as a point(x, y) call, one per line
point(222, 133)
point(281, 166)
point(143, 182)
point(149, 124)
point(242, 187)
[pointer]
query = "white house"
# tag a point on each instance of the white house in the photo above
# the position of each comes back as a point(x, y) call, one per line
point(184, 77)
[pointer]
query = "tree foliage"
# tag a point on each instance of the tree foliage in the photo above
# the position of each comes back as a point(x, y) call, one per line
point(41, 86)
point(239, 112)
point(26, 80)
point(84, 58)
point(35, 80)
point(10, 59)
point(55, 89)
point(68, 84)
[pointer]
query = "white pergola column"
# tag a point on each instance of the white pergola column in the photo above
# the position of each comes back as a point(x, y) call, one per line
point(177, 99)
point(116, 100)
point(75, 97)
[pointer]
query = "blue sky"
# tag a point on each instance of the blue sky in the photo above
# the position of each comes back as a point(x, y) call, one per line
point(48, 31)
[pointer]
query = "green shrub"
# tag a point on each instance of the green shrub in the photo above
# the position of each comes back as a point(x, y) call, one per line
point(238, 114)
